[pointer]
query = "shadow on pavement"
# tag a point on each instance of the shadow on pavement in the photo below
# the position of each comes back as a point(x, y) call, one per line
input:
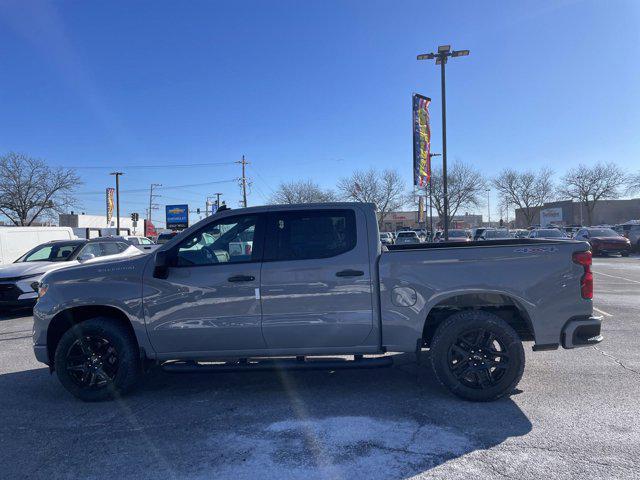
point(384, 423)
point(13, 314)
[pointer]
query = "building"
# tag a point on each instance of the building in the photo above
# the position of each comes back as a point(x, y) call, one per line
point(98, 224)
point(393, 221)
point(568, 212)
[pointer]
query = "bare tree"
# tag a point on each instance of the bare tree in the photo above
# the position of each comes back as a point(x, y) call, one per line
point(465, 186)
point(633, 184)
point(384, 189)
point(526, 190)
point(591, 184)
point(301, 191)
point(30, 189)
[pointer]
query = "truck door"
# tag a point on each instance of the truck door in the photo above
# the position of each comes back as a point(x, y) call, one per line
point(209, 301)
point(316, 281)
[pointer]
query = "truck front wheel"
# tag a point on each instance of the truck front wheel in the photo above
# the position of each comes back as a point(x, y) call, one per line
point(477, 356)
point(97, 359)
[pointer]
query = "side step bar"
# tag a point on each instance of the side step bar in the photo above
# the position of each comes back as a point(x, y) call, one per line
point(298, 363)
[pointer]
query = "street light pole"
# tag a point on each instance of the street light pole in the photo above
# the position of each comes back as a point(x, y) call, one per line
point(117, 174)
point(489, 205)
point(443, 54)
point(431, 155)
point(444, 150)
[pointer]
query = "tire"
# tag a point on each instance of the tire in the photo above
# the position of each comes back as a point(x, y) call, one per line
point(97, 359)
point(477, 366)
point(625, 254)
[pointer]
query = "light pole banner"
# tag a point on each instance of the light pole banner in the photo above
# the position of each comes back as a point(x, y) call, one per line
point(110, 192)
point(421, 141)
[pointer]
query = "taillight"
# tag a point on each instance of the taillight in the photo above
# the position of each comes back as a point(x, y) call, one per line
point(586, 282)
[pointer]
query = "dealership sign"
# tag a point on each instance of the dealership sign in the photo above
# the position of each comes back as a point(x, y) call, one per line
point(550, 216)
point(177, 217)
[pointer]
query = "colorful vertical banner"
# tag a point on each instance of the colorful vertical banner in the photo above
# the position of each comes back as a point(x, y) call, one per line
point(421, 141)
point(110, 204)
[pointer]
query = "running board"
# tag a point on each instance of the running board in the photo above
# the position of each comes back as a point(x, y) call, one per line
point(299, 363)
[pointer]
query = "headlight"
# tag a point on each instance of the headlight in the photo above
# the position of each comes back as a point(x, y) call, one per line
point(42, 289)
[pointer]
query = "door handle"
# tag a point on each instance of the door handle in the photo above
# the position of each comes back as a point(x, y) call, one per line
point(350, 273)
point(241, 278)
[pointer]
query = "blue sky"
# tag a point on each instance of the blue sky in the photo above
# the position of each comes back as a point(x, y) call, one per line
point(310, 89)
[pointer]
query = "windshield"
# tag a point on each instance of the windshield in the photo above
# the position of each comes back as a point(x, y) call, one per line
point(407, 234)
point(603, 232)
point(57, 252)
point(457, 234)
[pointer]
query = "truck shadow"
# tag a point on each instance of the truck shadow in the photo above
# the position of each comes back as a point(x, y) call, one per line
point(384, 423)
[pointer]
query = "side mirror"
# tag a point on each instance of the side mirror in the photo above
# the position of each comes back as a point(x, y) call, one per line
point(164, 259)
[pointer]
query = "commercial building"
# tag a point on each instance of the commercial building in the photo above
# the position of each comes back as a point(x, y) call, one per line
point(98, 225)
point(393, 221)
point(567, 212)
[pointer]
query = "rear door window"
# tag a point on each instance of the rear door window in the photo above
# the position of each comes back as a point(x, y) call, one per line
point(310, 234)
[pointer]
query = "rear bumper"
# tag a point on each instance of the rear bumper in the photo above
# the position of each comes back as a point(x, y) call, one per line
point(581, 332)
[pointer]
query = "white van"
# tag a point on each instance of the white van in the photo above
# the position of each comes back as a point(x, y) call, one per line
point(16, 241)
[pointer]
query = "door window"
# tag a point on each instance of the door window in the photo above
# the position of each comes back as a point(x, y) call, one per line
point(310, 234)
point(229, 240)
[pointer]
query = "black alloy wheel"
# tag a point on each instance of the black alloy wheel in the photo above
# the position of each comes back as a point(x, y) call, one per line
point(92, 362)
point(478, 359)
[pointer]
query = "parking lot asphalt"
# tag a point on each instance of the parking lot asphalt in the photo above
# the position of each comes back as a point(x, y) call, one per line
point(576, 414)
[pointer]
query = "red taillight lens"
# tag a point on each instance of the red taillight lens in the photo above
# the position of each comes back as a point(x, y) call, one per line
point(586, 282)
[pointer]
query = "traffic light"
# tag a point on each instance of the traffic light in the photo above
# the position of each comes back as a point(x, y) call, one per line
point(135, 217)
point(198, 211)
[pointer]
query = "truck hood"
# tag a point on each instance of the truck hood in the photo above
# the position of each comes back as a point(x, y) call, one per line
point(31, 269)
point(101, 267)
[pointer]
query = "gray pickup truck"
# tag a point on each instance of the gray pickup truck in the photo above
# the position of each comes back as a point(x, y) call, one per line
point(290, 286)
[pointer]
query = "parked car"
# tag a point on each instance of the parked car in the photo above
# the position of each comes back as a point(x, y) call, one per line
point(494, 234)
point(476, 233)
point(19, 281)
point(16, 241)
point(386, 238)
point(519, 233)
point(631, 231)
point(547, 233)
point(315, 284)
point(456, 236)
point(604, 241)
point(407, 237)
point(165, 237)
point(142, 243)
point(422, 234)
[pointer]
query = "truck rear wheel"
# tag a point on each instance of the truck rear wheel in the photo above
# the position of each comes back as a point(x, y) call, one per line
point(97, 359)
point(477, 356)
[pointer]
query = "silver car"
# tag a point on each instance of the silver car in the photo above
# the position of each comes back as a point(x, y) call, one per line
point(19, 280)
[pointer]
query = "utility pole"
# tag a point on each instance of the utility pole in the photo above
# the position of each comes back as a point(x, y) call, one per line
point(117, 175)
point(151, 197)
point(443, 54)
point(243, 182)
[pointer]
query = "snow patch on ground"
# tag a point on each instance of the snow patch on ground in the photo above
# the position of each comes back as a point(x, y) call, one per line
point(337, 447)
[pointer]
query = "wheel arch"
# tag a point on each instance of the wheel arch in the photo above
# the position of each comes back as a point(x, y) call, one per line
point(69, 317)
point(502, 304)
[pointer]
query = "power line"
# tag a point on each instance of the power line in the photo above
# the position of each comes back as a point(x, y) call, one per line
point(175, 165)
point(145, 190)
